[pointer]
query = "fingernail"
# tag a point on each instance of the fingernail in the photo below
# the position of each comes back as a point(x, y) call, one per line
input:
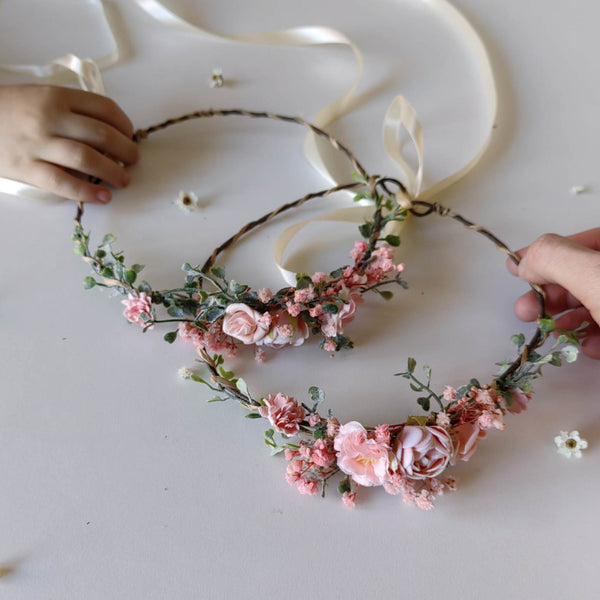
point(103, 196)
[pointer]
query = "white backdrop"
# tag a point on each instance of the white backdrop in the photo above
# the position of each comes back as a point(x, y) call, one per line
point(119, 481)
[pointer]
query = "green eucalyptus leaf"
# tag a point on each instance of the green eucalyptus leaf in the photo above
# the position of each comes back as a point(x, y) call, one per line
point(170, 337)
point(424, 403)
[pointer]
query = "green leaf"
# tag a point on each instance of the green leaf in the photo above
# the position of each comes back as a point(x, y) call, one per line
point(217, 399)
point(570, 353)
point(424, 403)
point(277, 450)
point(214, 313)
point(108, 239)
point(226, 374)
point(218, 272)
point(170, 337)
point(241, 385)
point(269, 433)
point(344, 486)
point(416, 388)
point(320, 432)
point(386, 294)
point(393, 240)
point(546, 324)
point(518, 340)
point(130, 276)
point(253, 415)
point(89, 283)
point(144, 287)
point(79, 249)
point(303, 281)
point(412, 363)
point(330, 307)
point(366, 229)
point(137, 268)
point(237, 288)
point(317, 396)
point(175, 311)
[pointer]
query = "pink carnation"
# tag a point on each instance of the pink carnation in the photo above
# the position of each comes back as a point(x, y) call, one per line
point(520, 399)
point(285, 414)
point(244, 323)
point(423, 452)
point(136, 306)
point(364, 459)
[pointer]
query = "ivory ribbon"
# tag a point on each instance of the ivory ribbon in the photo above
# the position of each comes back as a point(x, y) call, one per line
point(400, 117)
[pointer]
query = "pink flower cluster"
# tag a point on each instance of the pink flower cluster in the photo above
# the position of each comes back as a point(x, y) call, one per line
point(381, 262)
point(213, 339)
point(410, 466)
point(136, 306)
point(311, 463)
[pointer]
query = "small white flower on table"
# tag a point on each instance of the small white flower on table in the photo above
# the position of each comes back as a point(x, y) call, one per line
point(570, 444)
point(216, 79)
point(187, 201)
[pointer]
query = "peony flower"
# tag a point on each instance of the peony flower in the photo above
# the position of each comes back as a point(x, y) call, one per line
point(284, 413)
point(465, 440)
point(244, 323)
point(364, 459)
point(423, 452)
point(136, 306)
point(520, 400)
point(285, 330)
point(570, 444)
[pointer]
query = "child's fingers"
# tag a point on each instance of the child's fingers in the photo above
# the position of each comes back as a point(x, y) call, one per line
point(98, 134)
point(57, 181)
point(100, 108)
point(84, 159)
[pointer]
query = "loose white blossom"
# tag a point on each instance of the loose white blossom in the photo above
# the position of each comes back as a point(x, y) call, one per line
point(187, 201)
point(570, 444)
point(185, 373)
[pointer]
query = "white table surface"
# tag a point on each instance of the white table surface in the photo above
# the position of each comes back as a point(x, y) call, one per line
point(120, 482)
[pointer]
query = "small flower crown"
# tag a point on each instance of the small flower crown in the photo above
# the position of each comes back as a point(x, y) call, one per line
point(409, 458)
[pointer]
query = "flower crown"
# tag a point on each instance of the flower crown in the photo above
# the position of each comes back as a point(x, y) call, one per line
point(409, 458)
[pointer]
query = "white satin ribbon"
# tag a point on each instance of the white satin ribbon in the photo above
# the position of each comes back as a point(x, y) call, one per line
point(400, 117)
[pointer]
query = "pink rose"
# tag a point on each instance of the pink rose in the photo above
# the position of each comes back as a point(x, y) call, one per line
point(364, 459)
point(465, 440)
point(519, 401)
point(285, 331)
point(136, 306)
point(423, 452)
point(284, 413)
point(245, 324)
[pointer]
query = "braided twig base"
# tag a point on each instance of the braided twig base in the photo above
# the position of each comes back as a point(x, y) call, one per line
point(418, 208)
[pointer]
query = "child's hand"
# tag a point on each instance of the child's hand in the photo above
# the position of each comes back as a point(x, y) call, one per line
point(569, 268)
point(48, 133)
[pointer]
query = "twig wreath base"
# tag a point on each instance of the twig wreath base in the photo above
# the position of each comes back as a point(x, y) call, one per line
point(409, 458)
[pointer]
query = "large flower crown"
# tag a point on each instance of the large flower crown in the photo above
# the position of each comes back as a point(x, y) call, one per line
point(217, 315)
